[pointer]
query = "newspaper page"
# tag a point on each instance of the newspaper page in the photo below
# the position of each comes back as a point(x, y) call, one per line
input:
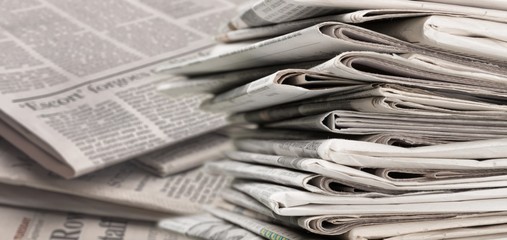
point(20, 223)
point(221, 82)
point(206, 226)
point(412, 230)
point(310, 182)
point(409, 140)
point(349, 122)
point(267, 12)
point(472, 37)
point(341, 179)
point(277, 88)
point(482, 154)
point(336, 224)
point(264, 229)
point(497, 231)
point(124, 184)
point(77, 80)
point(287, 201)
point(407, 70)
point(319, 42)
point(19, 196)
point(355, 17)
point(383, 98)
point(186, 155)
point(489, 4)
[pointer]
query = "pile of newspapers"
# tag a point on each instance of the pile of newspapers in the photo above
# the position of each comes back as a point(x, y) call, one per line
point(366, 119)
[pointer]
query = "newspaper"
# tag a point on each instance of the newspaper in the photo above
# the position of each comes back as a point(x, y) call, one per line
point(482, 154)
point(267, 12)
point(288, 201)
point(38, 225)
point(124, 184)
point(220, 82)
point(409, 140)
point(355, 17)
point(23, 197)
point(342, 179)
point(435, 229)
point(416, 70)
point(343, 224)
point(206, 226)
point(383, 99)
point(280, 87)
point(490, 4)
point(186, 155)
point(264, 229)
point(77, 80)
point(319, 42)
point(484, 232)
point(310, 182)
point(472, 37)
point(364, 123)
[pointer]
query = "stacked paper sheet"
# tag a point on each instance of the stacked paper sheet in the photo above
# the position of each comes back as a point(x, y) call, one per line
point(372, 120)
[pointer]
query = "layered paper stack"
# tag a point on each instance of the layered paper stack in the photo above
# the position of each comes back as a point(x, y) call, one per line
point(379, 119)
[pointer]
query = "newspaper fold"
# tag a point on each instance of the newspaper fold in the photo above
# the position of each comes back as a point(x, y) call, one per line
point(310, 182)
point(206, 226)
point(215, 83)
point(471, 37)
point(384, 99)
point(364, 123)
point(280, 87)
point(267, 12)
point(417, 70)
point(482, 154)
point(474, 226)
point(381, 180)
point(319, 42)
point(360, 16)
point(287, 201)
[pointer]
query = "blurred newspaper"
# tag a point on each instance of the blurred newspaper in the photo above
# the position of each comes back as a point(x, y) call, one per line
point(89, 100)
point(206, 226)
point(20, 223)
point(186, 155)
point(267, 12)
point(318, 42)
point(125, 185)
point(361, 16)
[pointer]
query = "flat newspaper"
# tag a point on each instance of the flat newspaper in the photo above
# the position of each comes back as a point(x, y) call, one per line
point(19, 223)
point(89, 100)
point(124, 184)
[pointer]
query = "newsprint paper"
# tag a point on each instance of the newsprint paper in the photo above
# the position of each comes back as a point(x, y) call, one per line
point(76, 88)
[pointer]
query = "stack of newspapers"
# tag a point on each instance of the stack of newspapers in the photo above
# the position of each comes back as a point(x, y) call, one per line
point(366, 120)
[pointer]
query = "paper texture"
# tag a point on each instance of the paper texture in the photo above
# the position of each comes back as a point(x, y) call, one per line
point(472, 37)
point(265, 12)
point(279, 87)
point(340, 179)
point(186, 155)
point(124, 184)
point(78, 83)
point(319, 42)
point(355, 17)
point(34, 224)
point(23, 197)
point(206, 226)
